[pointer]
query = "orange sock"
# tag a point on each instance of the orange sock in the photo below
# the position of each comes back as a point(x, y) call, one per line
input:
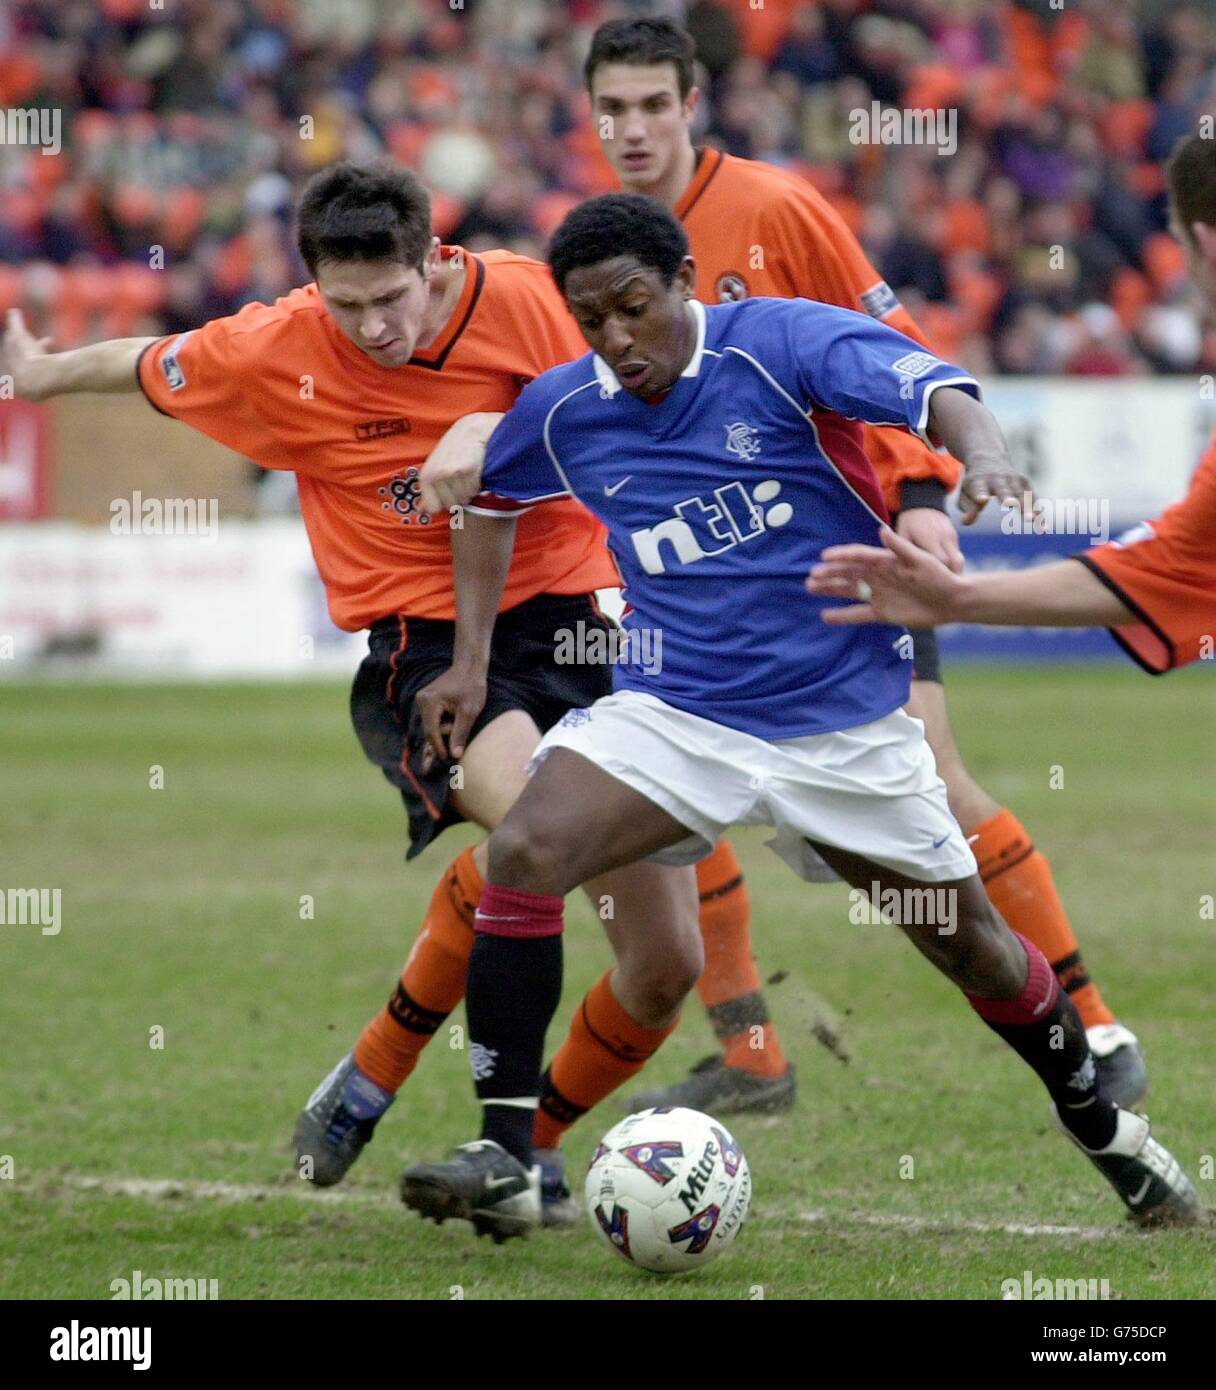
point(432, 983)
point(730, 984)
point(1018, 881)
point(603, 1049)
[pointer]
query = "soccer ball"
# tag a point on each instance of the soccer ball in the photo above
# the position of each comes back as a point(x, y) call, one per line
point(668, 1189)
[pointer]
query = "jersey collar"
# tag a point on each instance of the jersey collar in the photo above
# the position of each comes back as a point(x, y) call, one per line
point(708, 164)
point(435, 353)
point(606, 377)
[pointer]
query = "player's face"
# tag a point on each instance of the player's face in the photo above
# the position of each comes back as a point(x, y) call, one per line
point(641, 327)
point(641, 121)
point(381, 306)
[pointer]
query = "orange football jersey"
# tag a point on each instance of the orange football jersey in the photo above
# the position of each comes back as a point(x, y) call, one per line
point(1165, 571)
point(758, 230)
point(284, 386)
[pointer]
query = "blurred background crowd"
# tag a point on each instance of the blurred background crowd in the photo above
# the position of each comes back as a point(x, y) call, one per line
point(1039, 246)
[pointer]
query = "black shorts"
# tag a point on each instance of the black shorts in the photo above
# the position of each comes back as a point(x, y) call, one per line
point(926, 659)
point(408, 653)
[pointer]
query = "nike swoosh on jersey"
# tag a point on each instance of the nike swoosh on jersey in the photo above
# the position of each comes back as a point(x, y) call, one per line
point(616, 487)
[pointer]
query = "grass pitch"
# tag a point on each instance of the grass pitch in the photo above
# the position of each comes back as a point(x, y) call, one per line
point(182, 912)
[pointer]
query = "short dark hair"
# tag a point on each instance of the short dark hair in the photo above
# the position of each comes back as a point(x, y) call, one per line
point(642, 42)
point(363, 212)
point(618, 224)
point(1192, 181)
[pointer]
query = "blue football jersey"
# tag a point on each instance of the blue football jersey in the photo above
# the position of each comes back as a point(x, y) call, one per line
point(719, 498)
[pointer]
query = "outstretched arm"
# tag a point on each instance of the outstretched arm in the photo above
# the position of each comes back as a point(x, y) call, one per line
point(903, 585)
point(39, 374)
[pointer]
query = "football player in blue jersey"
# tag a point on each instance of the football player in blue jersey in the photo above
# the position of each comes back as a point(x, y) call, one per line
point(721, 448)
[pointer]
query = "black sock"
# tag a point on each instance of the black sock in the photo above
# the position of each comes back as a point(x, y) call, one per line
point(1053, 1042)
point(514, 987)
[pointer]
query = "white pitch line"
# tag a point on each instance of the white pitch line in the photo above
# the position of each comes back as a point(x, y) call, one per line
point(928, 1223)
point(169, 1189)
point(193, 1189)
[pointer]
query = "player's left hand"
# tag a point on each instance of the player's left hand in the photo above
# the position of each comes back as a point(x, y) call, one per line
point(451, 475)
point(1001, 481)
point(900, 584)
point(933, 531)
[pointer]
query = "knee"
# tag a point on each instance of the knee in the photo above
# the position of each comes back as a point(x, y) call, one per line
point(522, 856)
point(659, 982)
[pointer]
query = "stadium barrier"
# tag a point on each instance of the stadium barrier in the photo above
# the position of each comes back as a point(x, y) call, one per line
point(174, 576)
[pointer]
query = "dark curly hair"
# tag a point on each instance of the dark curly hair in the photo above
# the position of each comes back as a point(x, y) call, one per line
point(363, 212)
point(618, 224)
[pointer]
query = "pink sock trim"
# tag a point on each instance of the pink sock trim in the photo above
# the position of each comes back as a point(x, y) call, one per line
point(516, 912)
point(1034, 1003)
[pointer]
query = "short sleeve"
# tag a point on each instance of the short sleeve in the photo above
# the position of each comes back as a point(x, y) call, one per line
point(519, 466)
point(204, 379)
point(866, 371)
point(1165, 572)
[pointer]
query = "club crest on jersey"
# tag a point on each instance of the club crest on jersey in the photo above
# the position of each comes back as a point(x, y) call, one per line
point(730, 287)
point(403, 492)
point(708, 526)
point(742, 440)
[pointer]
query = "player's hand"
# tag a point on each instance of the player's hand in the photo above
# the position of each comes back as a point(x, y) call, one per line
point(22, 357)
point(933, 531)
point(900, 584)
point(1002, 481)
point(449, 706)
point(451, 475)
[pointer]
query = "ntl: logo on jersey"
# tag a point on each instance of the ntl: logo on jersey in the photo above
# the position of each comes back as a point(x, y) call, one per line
point(904, 126)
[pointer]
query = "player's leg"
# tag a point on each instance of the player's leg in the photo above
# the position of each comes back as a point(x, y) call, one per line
point(573, 823)
point(749, 1072)
point(1010, 984)
point(1019, 882)
point(528, 689)
point(868, 802)
point(340, 1117)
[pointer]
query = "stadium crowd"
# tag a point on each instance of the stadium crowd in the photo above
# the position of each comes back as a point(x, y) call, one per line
point(1039, 245)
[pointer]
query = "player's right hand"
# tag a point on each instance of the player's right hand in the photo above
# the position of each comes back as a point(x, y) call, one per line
point(449, 706)
point(899, 584)
point(21, 357)
point(451, 475)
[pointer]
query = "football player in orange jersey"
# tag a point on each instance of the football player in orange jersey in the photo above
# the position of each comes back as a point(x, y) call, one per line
point(758, 230)
point(1154, 587)
point(350, 382)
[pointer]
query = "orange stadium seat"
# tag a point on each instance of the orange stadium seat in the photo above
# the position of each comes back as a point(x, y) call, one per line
point(1164, 260)
point(1130, 295)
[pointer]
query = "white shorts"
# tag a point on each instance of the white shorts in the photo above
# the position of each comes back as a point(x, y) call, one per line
point(872, 790)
